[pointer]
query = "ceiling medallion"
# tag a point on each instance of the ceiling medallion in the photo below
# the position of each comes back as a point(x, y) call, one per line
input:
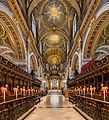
point(54, 38)
point(54, 56)
point(54, 13)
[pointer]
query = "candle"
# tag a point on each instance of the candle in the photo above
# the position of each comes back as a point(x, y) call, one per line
point(104, 89)
point(24, 91)
point(79, 91)
point(3, 89)
point(91, 89)
point(16, 94)
point(94, 89)
point(4, 95)
point(29, 91)
point(104, 94)
point(87, 89)
point(84, 90)
point(15, 91)
point(21, 90)
point(91, 93)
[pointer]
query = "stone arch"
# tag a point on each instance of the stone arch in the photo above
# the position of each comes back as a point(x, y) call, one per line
point(33, 65)
point(75, 62)
point(12, 34)
point(94, 32)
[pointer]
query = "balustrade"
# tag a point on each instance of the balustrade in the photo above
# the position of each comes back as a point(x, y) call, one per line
point(13, 109)
point(18, 90)
point(96, 109)
point(90, 90)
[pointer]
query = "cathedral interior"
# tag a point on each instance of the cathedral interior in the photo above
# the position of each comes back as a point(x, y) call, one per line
point(54, 59)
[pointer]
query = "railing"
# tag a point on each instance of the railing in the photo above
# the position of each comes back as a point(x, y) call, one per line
point(95, 108)
point(94, 69)
point(13, 109)
point(14, 69)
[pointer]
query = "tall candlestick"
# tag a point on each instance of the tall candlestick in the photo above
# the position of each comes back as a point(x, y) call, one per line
point(4, 95)
point(24, 91)
point(104, 94)
point(79, 91)
point(84, 91)
point(21, 90)
point(4, 89)
point(16, 94)
point(94, 89)
point(87, 89)
point(91, 93)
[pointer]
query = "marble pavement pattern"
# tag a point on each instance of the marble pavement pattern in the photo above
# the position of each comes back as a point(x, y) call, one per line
point(54, 107)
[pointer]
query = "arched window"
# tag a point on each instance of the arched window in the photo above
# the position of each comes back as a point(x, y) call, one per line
point(33, 26)
point(74, 25)
point(47, 67)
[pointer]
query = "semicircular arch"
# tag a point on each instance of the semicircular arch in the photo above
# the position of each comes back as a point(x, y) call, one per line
point(17, 43)
point(75, 62)
point(101, 21)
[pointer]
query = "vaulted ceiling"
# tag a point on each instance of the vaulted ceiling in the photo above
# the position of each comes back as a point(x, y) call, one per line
point(54, 19)
point(54, 24)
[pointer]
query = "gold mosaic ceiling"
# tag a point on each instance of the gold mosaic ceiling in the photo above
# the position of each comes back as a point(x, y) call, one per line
point(54, 38)
point(53, 14)
point(54, 17)
point(54, 27)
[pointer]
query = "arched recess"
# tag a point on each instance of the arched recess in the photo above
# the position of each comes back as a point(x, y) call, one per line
point(102, 48)
point(33, 65)
point(95, 33)
point(34, 3)
point(12, 45)
point(75, 62)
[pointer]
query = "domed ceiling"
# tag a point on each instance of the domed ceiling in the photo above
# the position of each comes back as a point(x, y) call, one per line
point(54, 13)
point(54, 19)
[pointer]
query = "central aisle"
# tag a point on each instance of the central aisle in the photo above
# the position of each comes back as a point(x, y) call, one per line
point(54, 107)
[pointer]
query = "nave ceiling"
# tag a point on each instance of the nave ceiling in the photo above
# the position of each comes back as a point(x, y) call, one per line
point(49, 26)
point(54, 20)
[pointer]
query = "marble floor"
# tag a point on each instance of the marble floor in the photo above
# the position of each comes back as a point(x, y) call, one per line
point(54, 107)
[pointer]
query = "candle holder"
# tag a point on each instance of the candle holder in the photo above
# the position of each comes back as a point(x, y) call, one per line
point(104, 89)
point(23, 91)
point(94, 88)
point(87, 89)
point(4, 89)
point(84, 89)
point(91, 89)
point(16, 92)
